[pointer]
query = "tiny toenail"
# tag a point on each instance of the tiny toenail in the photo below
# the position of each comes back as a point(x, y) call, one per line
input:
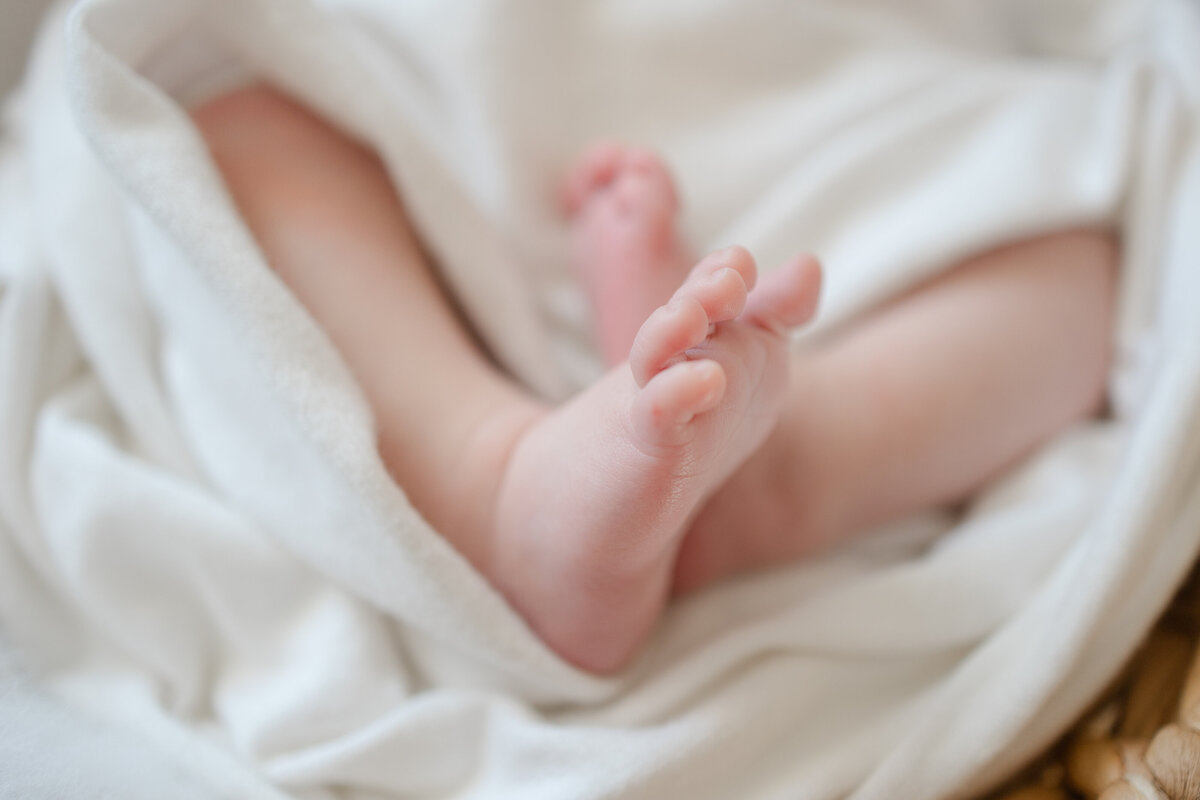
point(717, 277)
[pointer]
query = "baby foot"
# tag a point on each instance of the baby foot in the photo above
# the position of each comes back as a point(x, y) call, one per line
point(596, 494)
point(624, 240)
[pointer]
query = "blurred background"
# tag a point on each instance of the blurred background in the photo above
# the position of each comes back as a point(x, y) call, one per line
point(18, 20)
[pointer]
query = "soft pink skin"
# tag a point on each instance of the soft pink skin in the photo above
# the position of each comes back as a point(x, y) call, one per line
point(915, 405)
point(624, 243)
point(574, 513)
point(712, 450)
point(598, 492)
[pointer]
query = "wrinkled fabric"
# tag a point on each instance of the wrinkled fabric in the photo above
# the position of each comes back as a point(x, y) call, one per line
point(199, 546)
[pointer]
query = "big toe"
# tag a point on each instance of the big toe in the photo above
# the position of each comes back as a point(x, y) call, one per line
point(644, 179)
point(646, 198)
point(594, 171)
point(787, 297)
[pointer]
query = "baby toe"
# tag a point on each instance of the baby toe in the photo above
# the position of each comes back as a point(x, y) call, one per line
point(665, 335)
point(593, 172)
point(652, 200)
point(653, 171)
point(736, 258)
point(664, 408)
point(787, 297)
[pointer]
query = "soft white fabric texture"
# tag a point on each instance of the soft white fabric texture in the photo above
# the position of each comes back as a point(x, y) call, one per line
point(200, 548)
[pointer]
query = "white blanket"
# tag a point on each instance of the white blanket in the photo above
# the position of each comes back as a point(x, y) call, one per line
point(199, 546)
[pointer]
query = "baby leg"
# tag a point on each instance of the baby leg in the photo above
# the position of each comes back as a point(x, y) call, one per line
point(920, 403)
point(916, 405)
point(575, 514)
